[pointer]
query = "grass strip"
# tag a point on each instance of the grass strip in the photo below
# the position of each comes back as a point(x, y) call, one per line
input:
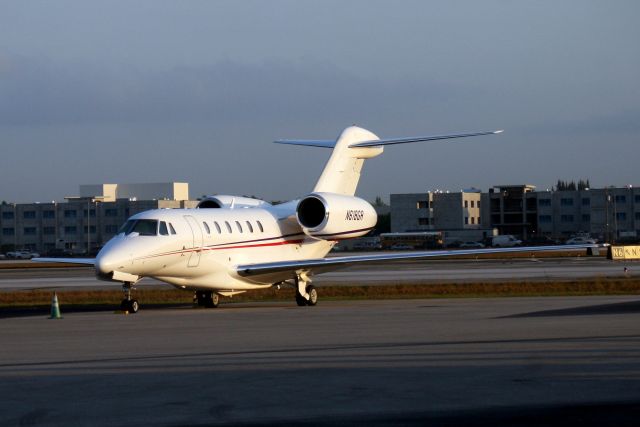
point(596, 286)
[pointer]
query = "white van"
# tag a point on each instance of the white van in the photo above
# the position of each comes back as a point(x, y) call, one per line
point(505, 241)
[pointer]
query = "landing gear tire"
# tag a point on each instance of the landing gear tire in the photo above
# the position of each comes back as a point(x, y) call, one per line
point(207, 299)
point(313, 295)
point(128, 304)
point(131, 306)
point(300, 300)
point(213, 300)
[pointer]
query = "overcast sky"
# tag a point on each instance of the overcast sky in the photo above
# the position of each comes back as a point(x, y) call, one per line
point(150, 91)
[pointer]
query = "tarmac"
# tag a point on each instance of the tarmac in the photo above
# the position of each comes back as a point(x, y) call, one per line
point(509, 361)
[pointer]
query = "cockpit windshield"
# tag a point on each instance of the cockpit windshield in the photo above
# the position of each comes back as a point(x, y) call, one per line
point(144, 227)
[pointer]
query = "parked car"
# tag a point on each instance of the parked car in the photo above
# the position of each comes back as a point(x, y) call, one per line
point(580, 240)
point(471, 245)
point(505, 241)
point(3, 256)
point(22, 254)
point(541, 241)
point(401, 247)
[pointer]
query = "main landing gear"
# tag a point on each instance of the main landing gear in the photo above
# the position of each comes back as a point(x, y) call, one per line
point(128, 304)
point(207, 299)
point(306, 293)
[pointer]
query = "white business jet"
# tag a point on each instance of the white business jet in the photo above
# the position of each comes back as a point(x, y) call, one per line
point(229, 245)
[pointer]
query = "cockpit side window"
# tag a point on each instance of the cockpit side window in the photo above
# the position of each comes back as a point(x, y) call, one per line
point(164, 231)
point(127, 226)
point(173, 230)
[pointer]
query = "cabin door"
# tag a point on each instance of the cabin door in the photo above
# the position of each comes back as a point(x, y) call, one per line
point(196, 231)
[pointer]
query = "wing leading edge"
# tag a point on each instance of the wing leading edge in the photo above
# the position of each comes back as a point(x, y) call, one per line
point(84, 261)
point(321, 265)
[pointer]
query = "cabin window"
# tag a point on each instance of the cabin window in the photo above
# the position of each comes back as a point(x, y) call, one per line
point(217, 226)
point(164, 231)
point(239, 226)
point(250, 227)
point(206, 227)
point(228, 226)
point(173, 230)
point(260, 227)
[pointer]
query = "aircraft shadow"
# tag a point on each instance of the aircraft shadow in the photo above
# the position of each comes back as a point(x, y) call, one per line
point(600, 309)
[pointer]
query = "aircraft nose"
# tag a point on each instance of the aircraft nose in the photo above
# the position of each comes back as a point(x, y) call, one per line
point(104, 265)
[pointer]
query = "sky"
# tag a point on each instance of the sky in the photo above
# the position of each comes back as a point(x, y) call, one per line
point(195, 91)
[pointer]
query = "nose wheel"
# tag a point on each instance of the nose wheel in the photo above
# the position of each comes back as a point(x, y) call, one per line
point(128, 304)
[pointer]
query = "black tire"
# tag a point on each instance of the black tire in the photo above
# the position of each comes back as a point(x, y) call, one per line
point(300, 300)
point(134, 306)
point(313, 295)
point(212, 300)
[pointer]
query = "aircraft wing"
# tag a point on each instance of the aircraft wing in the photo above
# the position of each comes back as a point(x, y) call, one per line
point(84, 261)
point(321, 265)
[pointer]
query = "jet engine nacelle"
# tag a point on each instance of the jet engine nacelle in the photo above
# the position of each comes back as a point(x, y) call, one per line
point(331, 216)
point(222, 201)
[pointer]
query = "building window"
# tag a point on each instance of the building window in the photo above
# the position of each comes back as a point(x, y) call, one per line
point(637, 216)
point(111, 229)
point(544, 202)
point(423, 221)
point(7, 215)
point(29, 214)
point(70, 229)
point(621, 216)
point(478, 220)
point(92, 213)
point(111, 212)
point(621, 198)
point(636, 198)
point(422, 204)
point(7, 231)
point(473, 203)
point(566, 202)
point(466, 203)
point(473, 220)
point(566, 218)
point(586, 218)
point(70, 214)
point(466, 220)
point(48, 214)
point(544, 218)
point(48, 230)
point(92, 228)
point(586, 201)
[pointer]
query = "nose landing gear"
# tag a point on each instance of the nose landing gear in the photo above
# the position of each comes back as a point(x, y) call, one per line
point(128, 304)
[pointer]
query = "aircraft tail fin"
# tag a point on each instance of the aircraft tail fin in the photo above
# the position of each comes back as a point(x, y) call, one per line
point(354, 145)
